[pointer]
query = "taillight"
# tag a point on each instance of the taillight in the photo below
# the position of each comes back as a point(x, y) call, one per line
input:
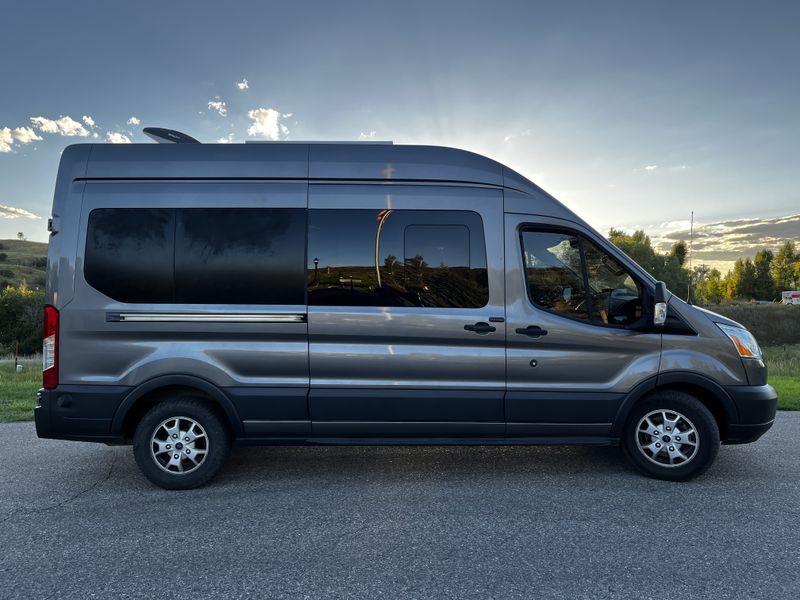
point(50, 348)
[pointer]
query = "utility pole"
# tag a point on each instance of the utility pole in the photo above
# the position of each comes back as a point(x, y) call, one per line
point(691, 273)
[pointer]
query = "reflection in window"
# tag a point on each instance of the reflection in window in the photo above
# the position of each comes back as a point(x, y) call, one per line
point(396, 258)
point(554, 272)
point(616, 296)
point(557, 274)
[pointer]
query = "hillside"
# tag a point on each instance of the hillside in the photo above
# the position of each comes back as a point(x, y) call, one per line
point(22, 261)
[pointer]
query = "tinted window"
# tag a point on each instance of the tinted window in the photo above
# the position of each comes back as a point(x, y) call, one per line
point(240, 256)
point(197, 256)
point(616, 297)
point(396, 258)
point(555, 273)
point(129, 253)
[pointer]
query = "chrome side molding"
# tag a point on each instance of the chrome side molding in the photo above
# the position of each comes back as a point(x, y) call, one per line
point(145, 317)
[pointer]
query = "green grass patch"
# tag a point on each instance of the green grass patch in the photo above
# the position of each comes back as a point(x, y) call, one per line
point(788, 389)
point(22, 261)
point(18, 390)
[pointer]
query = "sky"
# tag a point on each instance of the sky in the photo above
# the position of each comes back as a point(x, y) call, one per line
point(634, 114)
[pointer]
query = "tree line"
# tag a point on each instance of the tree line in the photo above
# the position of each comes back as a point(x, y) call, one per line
point(763, 277)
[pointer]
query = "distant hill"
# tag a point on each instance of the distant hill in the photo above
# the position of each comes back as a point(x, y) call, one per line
point(22, 261)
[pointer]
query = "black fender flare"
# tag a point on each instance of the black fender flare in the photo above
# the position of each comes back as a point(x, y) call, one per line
point(672, 378)
point(191, 381)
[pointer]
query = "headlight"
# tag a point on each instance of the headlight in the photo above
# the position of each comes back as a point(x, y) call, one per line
point(744, 341)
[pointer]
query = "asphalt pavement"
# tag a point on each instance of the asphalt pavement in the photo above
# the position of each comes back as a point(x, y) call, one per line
point(78, 521)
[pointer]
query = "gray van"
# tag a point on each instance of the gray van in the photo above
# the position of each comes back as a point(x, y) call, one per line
point(205, 295)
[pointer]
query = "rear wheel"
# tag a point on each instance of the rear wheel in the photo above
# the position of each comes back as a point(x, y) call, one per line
point(671, 435)
point(181, 444)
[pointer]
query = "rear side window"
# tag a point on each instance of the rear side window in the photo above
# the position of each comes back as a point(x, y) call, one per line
point(239, 256)
point(129, 253)
point(396, 258)
point(197, 256)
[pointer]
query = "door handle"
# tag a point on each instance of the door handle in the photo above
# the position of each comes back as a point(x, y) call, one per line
point(532, 331)
point(481, 328)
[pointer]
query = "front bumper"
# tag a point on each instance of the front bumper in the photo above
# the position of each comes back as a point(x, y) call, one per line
point(756, 405)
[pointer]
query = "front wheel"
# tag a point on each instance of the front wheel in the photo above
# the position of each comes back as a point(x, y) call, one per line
point(181, 444)
point(671, 435)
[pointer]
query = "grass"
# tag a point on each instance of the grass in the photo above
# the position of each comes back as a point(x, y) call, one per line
point(18, 390)
point(22, 263)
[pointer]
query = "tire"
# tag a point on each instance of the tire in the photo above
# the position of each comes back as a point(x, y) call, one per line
point(660, 456)
point(188, 429)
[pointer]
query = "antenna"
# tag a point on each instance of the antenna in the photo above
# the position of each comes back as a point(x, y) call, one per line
point(168, 136)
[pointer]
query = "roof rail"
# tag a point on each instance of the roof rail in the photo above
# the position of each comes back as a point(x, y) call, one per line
point(168, 136)
point(322, 142)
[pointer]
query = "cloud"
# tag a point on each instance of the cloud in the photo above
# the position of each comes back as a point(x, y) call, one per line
point(243, 84)
point(720, 243)
point(25, 135)
point(88, 120)
point(511, 136)
point(20, 135)
point(219, 106)
point(6, 139)
point(366, 136)
point(267, 123)
point(228, 139)
point(651, 167)
point(12, 212)
point(134, 121)
point(66, 126)
point(116, 137)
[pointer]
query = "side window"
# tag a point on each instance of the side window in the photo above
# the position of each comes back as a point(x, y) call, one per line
point(396, 258)
point(554, 272)
point(240, 256)
point(616, 297)
point(197, 256)
point(129, 253)
point(558, 267)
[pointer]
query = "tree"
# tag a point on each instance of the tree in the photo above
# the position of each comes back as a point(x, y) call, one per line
point(20, 236)
point(714, 290)
point(784, 267)
point(764, 286)
point(742, 283)
point(679, 250)
point(21, 319)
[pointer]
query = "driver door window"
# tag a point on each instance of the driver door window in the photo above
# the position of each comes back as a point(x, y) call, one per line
point(571, 276)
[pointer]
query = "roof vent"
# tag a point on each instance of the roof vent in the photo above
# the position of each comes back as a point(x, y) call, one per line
point(168, 136)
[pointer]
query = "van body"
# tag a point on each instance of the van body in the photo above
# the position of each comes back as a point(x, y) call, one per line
point(201, 295)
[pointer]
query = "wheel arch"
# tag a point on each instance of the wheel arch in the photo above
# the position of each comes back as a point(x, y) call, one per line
point(155, 390)
point(711, 394)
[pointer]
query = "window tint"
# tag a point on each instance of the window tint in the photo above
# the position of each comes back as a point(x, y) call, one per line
point(558, 266)
point(555, 273)
point(197, 256)
point(616, 297)
point(240, 256)
point(396, 258)
point(129, 253)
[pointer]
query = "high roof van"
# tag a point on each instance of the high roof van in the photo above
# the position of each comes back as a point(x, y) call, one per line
point(205, 295)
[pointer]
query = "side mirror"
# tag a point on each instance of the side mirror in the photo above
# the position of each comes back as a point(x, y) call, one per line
point(660, 307)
